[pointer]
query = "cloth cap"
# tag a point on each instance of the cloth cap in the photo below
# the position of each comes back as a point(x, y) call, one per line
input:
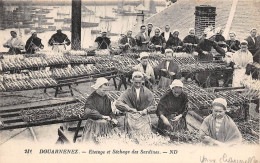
point(157, 28)
point(209, 34)
point(218, 30)
point(176, 30)
point(220, 102)
point(143, 54)
point(232, 32)
point(13, 32)
point(137, 73)
point(243, 42)
point(191, 29)
point(176, 83)
point(168, 50)
point(33, 31)
point(99, 82)
point(252, 29)
point(150, 24)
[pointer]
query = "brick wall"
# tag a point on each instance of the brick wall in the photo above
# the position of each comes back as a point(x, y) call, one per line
point(204, 16)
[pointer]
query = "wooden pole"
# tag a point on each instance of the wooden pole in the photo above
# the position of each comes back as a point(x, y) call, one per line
point(76, 25)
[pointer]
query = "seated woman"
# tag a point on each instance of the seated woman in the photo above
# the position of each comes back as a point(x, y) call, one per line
point(146, 69)
point(157, 42)
point(168, 70)
point(233, 44)
point(172, 109)
point(99, 112)
point(218, 128)
point(241, 58)
point(175, 42)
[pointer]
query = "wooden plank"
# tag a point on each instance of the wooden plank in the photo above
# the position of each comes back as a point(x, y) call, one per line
point(40, 104)
point(12, 119)
point(40, 123)
point(10, 114)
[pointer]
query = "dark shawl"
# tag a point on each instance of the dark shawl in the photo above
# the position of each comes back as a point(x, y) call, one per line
point(96, 106)
point(129, 99)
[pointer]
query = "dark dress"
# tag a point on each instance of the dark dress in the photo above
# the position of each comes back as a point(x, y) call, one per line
point(103, 42)
point(160, 40)
point(131, 41)
point(233, 45)
point(174, 42)
point(31, 43)
point(252, 45)
point(219, 38)
point(59, 38)
point(192, 40)
point(207, 45)
point(165, 78)
point(97, 106)
point(171, 106)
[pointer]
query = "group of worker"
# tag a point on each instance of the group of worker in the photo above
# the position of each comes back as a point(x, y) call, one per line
point(58, 41)
point(137, 103)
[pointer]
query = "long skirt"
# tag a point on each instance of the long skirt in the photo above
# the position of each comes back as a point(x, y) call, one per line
point(59, 48)
point(239, 77)
point(95, 128)
point(177, 125)
point(136, 124)
point(164, 83)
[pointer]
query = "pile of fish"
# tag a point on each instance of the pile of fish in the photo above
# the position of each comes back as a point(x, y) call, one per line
point(198, 97)
point(75, 71)
point(29, 80)
point(200, 67)
point(64, 112)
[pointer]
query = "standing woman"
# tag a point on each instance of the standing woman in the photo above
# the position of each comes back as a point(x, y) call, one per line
point(240, 59)
point(168, 70)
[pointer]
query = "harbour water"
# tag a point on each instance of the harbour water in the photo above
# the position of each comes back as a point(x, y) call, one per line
point(120, 25)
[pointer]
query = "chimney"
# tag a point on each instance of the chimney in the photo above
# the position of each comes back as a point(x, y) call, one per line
point(205, 16)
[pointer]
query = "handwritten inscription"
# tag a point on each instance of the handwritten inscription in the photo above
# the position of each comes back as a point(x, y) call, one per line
point(228, 159)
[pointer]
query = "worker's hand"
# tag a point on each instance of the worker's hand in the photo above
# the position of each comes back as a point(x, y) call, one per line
point(132, 110)
point(143, 112)
point(195, 53)
point(114, 121)
point(116, 111)
point(164, 70)
point(6, 46)
point(146, 77)
point(106, 118)
point(171, 73)
point(166, 122)
point(176, 118)
point(205, 52)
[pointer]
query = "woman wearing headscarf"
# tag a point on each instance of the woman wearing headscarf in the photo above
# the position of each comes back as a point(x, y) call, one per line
point(146, 69)
point(233, 44)
point(33, 43)
point(168, 70)
point(172, 109)
point(218, 128)
point(240, 59)
point(175, 42)
point(157, 42)
point(15, 44)
point(99, 112)
point(205, 46)
point(191, 41)
point(137, 103)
